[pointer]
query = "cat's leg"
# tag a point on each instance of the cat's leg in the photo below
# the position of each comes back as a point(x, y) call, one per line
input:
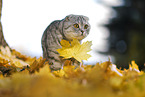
point(75, 62)
point(55, 65)
point(55, 61)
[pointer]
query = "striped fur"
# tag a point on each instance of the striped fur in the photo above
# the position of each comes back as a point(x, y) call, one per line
point(62, 29)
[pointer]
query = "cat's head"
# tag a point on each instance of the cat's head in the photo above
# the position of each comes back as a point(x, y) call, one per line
point(76, 26)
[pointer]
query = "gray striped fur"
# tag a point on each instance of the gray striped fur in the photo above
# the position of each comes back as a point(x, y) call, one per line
point(62, 29)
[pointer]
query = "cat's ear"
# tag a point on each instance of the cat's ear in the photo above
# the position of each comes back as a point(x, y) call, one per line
point(67, 18)
point(86, 18)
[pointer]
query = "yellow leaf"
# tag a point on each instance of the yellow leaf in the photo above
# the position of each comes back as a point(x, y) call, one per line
point(134, 66)
point(75, 50)
point(116, 82)
point(45, 71)
point(19, 63)
point(65, 43)
point(75, 42)
point(5, 51)
point(59, 73)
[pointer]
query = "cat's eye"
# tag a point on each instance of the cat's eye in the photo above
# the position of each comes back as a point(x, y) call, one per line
point(76, 25)
point(86, 26)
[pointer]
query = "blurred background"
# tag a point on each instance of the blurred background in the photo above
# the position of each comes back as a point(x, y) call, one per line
point(117, 27)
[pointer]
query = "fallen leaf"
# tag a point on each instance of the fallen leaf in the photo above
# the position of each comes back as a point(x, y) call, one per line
point(75, 50)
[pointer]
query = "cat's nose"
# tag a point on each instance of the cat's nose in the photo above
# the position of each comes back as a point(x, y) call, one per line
point(82, 31)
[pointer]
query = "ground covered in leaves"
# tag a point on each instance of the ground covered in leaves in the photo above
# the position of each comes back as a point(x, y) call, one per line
point(22, 76)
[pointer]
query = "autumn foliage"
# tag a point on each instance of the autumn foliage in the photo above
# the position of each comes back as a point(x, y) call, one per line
point(22, 76)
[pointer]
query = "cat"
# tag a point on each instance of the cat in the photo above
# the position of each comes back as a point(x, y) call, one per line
point(72, 26)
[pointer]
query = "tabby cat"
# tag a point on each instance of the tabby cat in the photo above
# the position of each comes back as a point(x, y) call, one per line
point(72, 26)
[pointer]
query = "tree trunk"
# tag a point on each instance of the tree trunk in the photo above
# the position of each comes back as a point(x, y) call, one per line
point(2, 40)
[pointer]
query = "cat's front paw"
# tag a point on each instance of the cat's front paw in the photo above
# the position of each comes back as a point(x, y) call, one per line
point(55, 66)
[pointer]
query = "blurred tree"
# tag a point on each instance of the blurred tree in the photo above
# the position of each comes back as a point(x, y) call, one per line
point(2, 40)
point(127, 33)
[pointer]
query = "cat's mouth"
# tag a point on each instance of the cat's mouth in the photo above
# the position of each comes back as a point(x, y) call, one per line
point(80, 37)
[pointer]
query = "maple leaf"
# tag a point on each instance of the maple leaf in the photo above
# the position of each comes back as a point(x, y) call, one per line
point(75, 50)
